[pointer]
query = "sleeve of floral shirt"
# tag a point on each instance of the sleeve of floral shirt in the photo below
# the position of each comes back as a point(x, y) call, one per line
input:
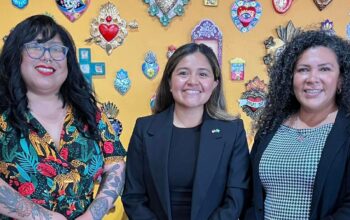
point(113, 150)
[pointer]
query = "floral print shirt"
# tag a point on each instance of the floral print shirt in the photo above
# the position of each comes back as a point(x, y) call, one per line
point(60, 179)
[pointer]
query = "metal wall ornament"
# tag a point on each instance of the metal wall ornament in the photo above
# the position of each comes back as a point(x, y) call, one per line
point(111, 110)
point(171, 51)
point(253, 100)
point(245, 14)
point(20, 3)
point(73, 9)
point(275, 46)
point(122, 82)
point(237, 69)
point(150, 67)
point(206, 32)
point(109, 30)
point(166, 10)
point(281, 6)
point(327, 25)
point(322, 4)
point(210, 2)
point(88, 67)
point(348, 31)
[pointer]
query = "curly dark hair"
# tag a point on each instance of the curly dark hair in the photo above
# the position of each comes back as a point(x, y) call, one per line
point(75, 91)
point(216, 105)
point(281, 101)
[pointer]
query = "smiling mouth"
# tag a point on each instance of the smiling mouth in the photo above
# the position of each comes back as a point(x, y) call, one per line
point(312, 91)
point(192, 91)
point(46, 71)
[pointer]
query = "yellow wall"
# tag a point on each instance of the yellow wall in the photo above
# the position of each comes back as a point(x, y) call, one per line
point(151, 35)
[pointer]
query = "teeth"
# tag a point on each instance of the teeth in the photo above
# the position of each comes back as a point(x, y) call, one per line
point(312, 91)
point(46, 70)
point(192, 91)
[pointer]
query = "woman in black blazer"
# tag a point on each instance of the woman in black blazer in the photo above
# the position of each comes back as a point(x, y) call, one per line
point(301, 154)
point(190, 159)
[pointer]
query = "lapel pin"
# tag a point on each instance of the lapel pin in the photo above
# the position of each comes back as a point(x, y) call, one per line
point(215, 131)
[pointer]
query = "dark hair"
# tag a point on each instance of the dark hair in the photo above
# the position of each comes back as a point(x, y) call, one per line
point(216, 105)
point(75, 91)
point(281, 101)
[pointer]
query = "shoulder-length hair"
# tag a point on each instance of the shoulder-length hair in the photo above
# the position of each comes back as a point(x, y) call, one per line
point(216, 105)
point(75, 91)
point(281, 101)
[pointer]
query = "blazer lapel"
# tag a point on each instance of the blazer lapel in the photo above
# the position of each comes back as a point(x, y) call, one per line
point(157, 147)
point(335, 140)
point(210, 150)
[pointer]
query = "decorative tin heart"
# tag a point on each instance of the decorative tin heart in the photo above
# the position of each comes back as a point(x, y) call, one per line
point(73, 9)
point(165, 10)
point(108, 31)
point(245, 14)
point(122, 83)
point(165, 6)
point(20, 3)
point(150, 67)
point(281, 6)
point(253, 99)
point(322, 4)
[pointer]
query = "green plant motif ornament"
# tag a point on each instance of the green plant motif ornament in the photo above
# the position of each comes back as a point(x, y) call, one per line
point(166, 10)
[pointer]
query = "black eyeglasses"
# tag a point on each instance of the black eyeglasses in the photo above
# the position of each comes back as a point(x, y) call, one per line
point(36, 51)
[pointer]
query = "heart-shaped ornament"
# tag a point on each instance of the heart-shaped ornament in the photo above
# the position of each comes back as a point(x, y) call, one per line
point(122, 83)
point(20, 3)
point(108, 31)
point(322, 4)
point(165, 10)
point(254, 102)
point(73, 9)
point(281, 6)
point(165, 6)
point(245, 14)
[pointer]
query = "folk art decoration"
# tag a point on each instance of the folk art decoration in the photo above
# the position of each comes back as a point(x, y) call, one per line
point(109, 30)
point(281, 6)
point(89, 68)
point(166, 10)
point(111, 110)
point(210, 2)
point(208, 33)
point(150, 67)
point(73, 9)
point(253, 100)
point(327, 25)
point(237, 69)
point(152, 101)
point(274, 46)
point(122, 82)
point(245, 14)
point(20, 3)
point(171, 50)
point(322, 4)
point(348, 31)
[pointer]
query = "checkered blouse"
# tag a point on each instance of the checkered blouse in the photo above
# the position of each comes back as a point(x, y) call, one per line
point(287, 171)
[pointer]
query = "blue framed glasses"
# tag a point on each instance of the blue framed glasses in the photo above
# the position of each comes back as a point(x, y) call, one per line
point(36, 51)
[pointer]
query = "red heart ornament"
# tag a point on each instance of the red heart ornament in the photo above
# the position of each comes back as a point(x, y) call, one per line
point(281, 6)
point(246, 15)
point(254, 100)
point(108, 31)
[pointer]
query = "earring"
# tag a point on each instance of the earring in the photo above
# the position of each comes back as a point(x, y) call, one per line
point(338, 91)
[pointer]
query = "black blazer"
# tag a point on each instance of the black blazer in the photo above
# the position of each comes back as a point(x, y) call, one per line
point(221, 179)
point(331, 195)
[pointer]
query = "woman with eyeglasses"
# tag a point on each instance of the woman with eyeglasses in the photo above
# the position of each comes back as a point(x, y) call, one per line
point(54, 141)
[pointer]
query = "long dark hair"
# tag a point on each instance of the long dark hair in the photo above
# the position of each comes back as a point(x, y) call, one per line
point(281, 101)
point(75, 91)
point(216, 105)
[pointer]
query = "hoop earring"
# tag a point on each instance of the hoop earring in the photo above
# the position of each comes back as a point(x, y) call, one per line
point(338, 91)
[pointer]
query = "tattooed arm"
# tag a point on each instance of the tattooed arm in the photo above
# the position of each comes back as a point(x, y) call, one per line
point(111, 187)
point(13, 204)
